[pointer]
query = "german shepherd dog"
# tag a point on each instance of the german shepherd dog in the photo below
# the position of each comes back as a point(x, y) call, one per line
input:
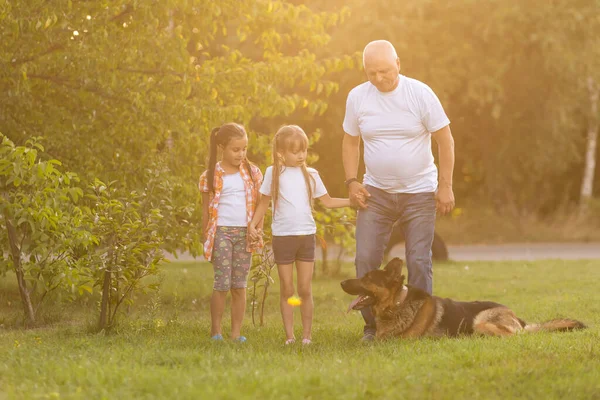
point(409, 312)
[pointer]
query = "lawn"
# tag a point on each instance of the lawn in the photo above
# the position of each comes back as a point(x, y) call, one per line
point(161, 348)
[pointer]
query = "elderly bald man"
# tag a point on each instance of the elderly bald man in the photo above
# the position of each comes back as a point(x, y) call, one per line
point(396, 116)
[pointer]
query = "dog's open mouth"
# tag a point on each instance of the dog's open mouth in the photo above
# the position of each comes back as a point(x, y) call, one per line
point(361, 302)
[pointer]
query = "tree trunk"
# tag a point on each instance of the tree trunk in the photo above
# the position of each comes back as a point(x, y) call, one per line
point(253, 302)
point(324, 262)
point(262, 304)
point(16, 255)
point(338, 261)
point(104, 312)
point(587, 185)
point(324, 257)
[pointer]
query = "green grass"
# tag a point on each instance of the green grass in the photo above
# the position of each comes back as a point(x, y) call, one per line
point(162, 350)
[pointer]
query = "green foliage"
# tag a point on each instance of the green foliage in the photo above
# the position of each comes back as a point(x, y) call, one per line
point(41, 227)
point(118, 87)
point(335, 226)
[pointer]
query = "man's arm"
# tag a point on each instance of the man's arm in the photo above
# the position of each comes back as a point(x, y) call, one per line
point(350, 159)
point(445, 195)
point(350, 155)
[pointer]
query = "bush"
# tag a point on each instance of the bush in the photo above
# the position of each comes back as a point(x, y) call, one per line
point(41, 227)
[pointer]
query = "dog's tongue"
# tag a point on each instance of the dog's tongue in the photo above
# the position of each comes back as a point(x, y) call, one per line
point(354, 302)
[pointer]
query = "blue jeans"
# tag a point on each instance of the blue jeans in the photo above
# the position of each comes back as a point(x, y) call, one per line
point(416, 214)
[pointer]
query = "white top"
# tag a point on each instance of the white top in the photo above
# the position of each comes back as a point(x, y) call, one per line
point(232, 203)
point(396, 129)
point(293, 215)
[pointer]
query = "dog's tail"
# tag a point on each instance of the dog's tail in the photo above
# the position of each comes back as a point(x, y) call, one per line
point(556, 325)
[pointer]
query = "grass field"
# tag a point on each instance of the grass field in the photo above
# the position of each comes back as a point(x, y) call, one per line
point(161, 348)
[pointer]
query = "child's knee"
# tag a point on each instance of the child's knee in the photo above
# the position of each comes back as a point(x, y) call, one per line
point(238, 291)
point(304, 291)
point(222, 285)
point(286, 291)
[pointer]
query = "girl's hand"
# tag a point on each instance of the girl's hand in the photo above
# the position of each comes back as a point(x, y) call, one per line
point(358, 195)
point(253, 232)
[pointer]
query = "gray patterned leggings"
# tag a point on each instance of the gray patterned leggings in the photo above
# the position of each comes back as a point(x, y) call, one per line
point(230, 259)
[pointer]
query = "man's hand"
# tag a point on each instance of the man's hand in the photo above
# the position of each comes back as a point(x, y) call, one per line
point(444, 199)
point(350, 157)
point(358, 195)
point(444, 196)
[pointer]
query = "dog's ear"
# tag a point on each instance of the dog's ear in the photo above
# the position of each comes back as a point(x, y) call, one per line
point(394, 267)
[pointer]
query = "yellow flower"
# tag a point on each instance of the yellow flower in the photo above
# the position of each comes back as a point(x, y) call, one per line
point(457, 212)
point(294, 301)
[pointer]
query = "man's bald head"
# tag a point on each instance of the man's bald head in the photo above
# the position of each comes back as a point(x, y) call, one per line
point(379, 50)
point(382, 65)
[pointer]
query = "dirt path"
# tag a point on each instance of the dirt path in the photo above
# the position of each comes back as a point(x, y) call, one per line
point(519, 251)
point(500, 252)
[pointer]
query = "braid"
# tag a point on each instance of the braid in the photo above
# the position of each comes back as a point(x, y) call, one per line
point(275, 181)
point(212, 161)
point(248, 166)
point(310, 182)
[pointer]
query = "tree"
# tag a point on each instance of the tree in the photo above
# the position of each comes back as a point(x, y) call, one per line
point(128, 250)
point(116, 85)
point(587, 184)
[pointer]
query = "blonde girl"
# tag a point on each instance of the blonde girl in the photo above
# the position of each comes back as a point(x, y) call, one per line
point(291, 187)
point(229, 197)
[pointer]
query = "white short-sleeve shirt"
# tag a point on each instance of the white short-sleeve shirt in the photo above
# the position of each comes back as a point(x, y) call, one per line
point(232, 203)
point(396, 129)
point(293, 215)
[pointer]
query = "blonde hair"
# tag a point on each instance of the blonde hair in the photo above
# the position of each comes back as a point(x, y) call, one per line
point(289, 138)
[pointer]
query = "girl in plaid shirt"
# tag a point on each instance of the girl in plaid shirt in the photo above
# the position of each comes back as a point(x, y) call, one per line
point(230, 191)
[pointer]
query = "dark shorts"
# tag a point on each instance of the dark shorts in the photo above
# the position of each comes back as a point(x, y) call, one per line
point(288, 249)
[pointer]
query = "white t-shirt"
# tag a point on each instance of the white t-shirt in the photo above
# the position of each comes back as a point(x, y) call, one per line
point(293, 215)
point(232, 203)
point(396, 129)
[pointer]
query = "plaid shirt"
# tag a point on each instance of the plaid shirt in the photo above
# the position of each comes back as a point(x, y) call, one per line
point(252, 185)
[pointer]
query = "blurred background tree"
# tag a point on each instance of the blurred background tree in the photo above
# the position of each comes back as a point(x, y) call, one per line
point(512, 77)
point(124, 89)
